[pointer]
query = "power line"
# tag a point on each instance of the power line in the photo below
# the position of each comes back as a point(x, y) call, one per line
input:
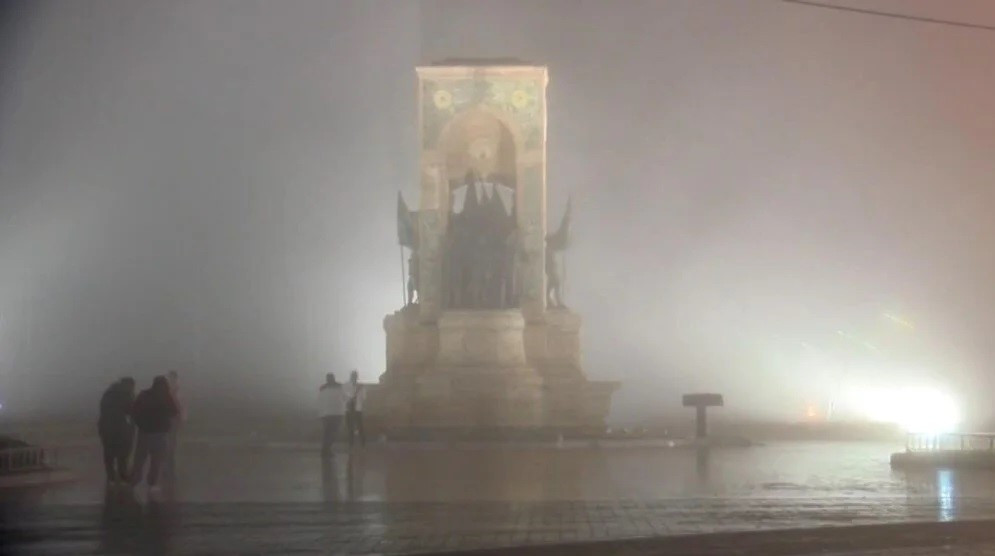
point(865, 11)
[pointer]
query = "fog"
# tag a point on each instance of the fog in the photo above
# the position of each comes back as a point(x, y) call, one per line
point(210, 186)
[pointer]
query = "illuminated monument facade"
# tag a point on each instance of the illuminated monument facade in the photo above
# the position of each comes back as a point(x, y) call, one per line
point(484, 341)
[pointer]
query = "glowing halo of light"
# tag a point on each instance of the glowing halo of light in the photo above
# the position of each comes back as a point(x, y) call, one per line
point(915, 409)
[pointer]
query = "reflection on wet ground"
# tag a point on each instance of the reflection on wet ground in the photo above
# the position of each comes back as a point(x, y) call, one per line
point(398, 498)
point(434, 473)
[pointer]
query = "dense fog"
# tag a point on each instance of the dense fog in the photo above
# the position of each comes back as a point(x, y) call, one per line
point(767, 197)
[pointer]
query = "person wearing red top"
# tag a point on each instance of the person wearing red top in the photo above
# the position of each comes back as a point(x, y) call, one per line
point(153, 413)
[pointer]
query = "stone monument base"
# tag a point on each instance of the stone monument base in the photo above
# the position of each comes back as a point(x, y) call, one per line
point(485, 374)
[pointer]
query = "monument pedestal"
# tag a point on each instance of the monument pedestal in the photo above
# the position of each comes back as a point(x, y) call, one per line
point(486, 371)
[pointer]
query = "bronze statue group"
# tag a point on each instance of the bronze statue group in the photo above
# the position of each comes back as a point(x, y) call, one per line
point(482, 250)
point(482, 247)
point(149, 422)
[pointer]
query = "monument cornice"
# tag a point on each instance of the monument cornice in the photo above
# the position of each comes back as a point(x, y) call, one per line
point(472, 71)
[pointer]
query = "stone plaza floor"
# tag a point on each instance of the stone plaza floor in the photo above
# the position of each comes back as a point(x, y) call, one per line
point(397, 498)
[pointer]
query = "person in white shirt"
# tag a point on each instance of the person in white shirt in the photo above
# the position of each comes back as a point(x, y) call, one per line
point(331, 406)
point(355, 395)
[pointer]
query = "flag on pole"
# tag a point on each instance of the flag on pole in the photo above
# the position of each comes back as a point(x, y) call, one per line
point(405, 224)
point(558, 240)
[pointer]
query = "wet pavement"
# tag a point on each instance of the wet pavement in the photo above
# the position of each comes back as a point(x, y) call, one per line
point(397, 498)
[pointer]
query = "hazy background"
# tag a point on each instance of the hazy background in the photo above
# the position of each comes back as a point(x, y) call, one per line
point(209, 186)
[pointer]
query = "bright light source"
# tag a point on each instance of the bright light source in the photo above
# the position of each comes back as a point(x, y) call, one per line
point(922, 410)
point(811, 412)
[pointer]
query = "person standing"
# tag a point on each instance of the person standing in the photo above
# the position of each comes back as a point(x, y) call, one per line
point(153, 413)
point(115, 429)
point(331, 406)
point(174, 427)
point(355, 395)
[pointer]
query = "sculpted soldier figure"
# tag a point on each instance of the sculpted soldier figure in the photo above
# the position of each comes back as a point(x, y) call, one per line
point(555, 243)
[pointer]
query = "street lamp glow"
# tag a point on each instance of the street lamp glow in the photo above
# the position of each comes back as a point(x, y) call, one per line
point(922, 410)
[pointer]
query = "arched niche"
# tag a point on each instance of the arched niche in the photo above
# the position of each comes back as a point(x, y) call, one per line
point(480, 244)
point(485, 142)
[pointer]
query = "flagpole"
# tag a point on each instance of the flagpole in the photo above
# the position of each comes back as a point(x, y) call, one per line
point(404, 286)
point(563, 255)
point(563, 282)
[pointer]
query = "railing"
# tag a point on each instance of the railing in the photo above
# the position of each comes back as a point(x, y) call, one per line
point(31, 458)
point(951, 441)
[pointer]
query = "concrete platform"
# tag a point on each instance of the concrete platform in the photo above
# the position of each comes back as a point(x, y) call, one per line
point(36, 479)
point(944, 458)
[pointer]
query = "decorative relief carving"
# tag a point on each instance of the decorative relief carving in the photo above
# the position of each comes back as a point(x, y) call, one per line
point(520, 98)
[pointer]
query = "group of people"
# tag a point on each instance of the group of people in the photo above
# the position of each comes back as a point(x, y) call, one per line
point(337, 401)
point(156, 414)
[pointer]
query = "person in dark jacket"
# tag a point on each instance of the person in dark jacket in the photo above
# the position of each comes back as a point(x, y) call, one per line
point(153, 413)
point(115, 428)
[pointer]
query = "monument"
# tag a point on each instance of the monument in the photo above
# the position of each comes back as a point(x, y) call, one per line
point(484, 341)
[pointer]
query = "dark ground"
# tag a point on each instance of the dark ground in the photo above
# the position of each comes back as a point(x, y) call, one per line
point(278, 498)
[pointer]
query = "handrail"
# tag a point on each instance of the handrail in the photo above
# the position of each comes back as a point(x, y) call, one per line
point(950, 441)
point(29, 458)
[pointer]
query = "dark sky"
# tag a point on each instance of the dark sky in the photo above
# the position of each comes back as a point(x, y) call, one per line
point(210, 186)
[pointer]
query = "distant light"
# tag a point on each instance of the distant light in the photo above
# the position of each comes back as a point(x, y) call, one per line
point(810, 412)
point(899, 320)
point(871, 347)
point(863, 343)
point(923, 410)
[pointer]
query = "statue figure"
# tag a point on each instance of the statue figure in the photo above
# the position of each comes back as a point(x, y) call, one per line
point(553, 295)
point(555, 243)
point(412, 278)
point(407, 225)
point(507, 280)
point(481, 246)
